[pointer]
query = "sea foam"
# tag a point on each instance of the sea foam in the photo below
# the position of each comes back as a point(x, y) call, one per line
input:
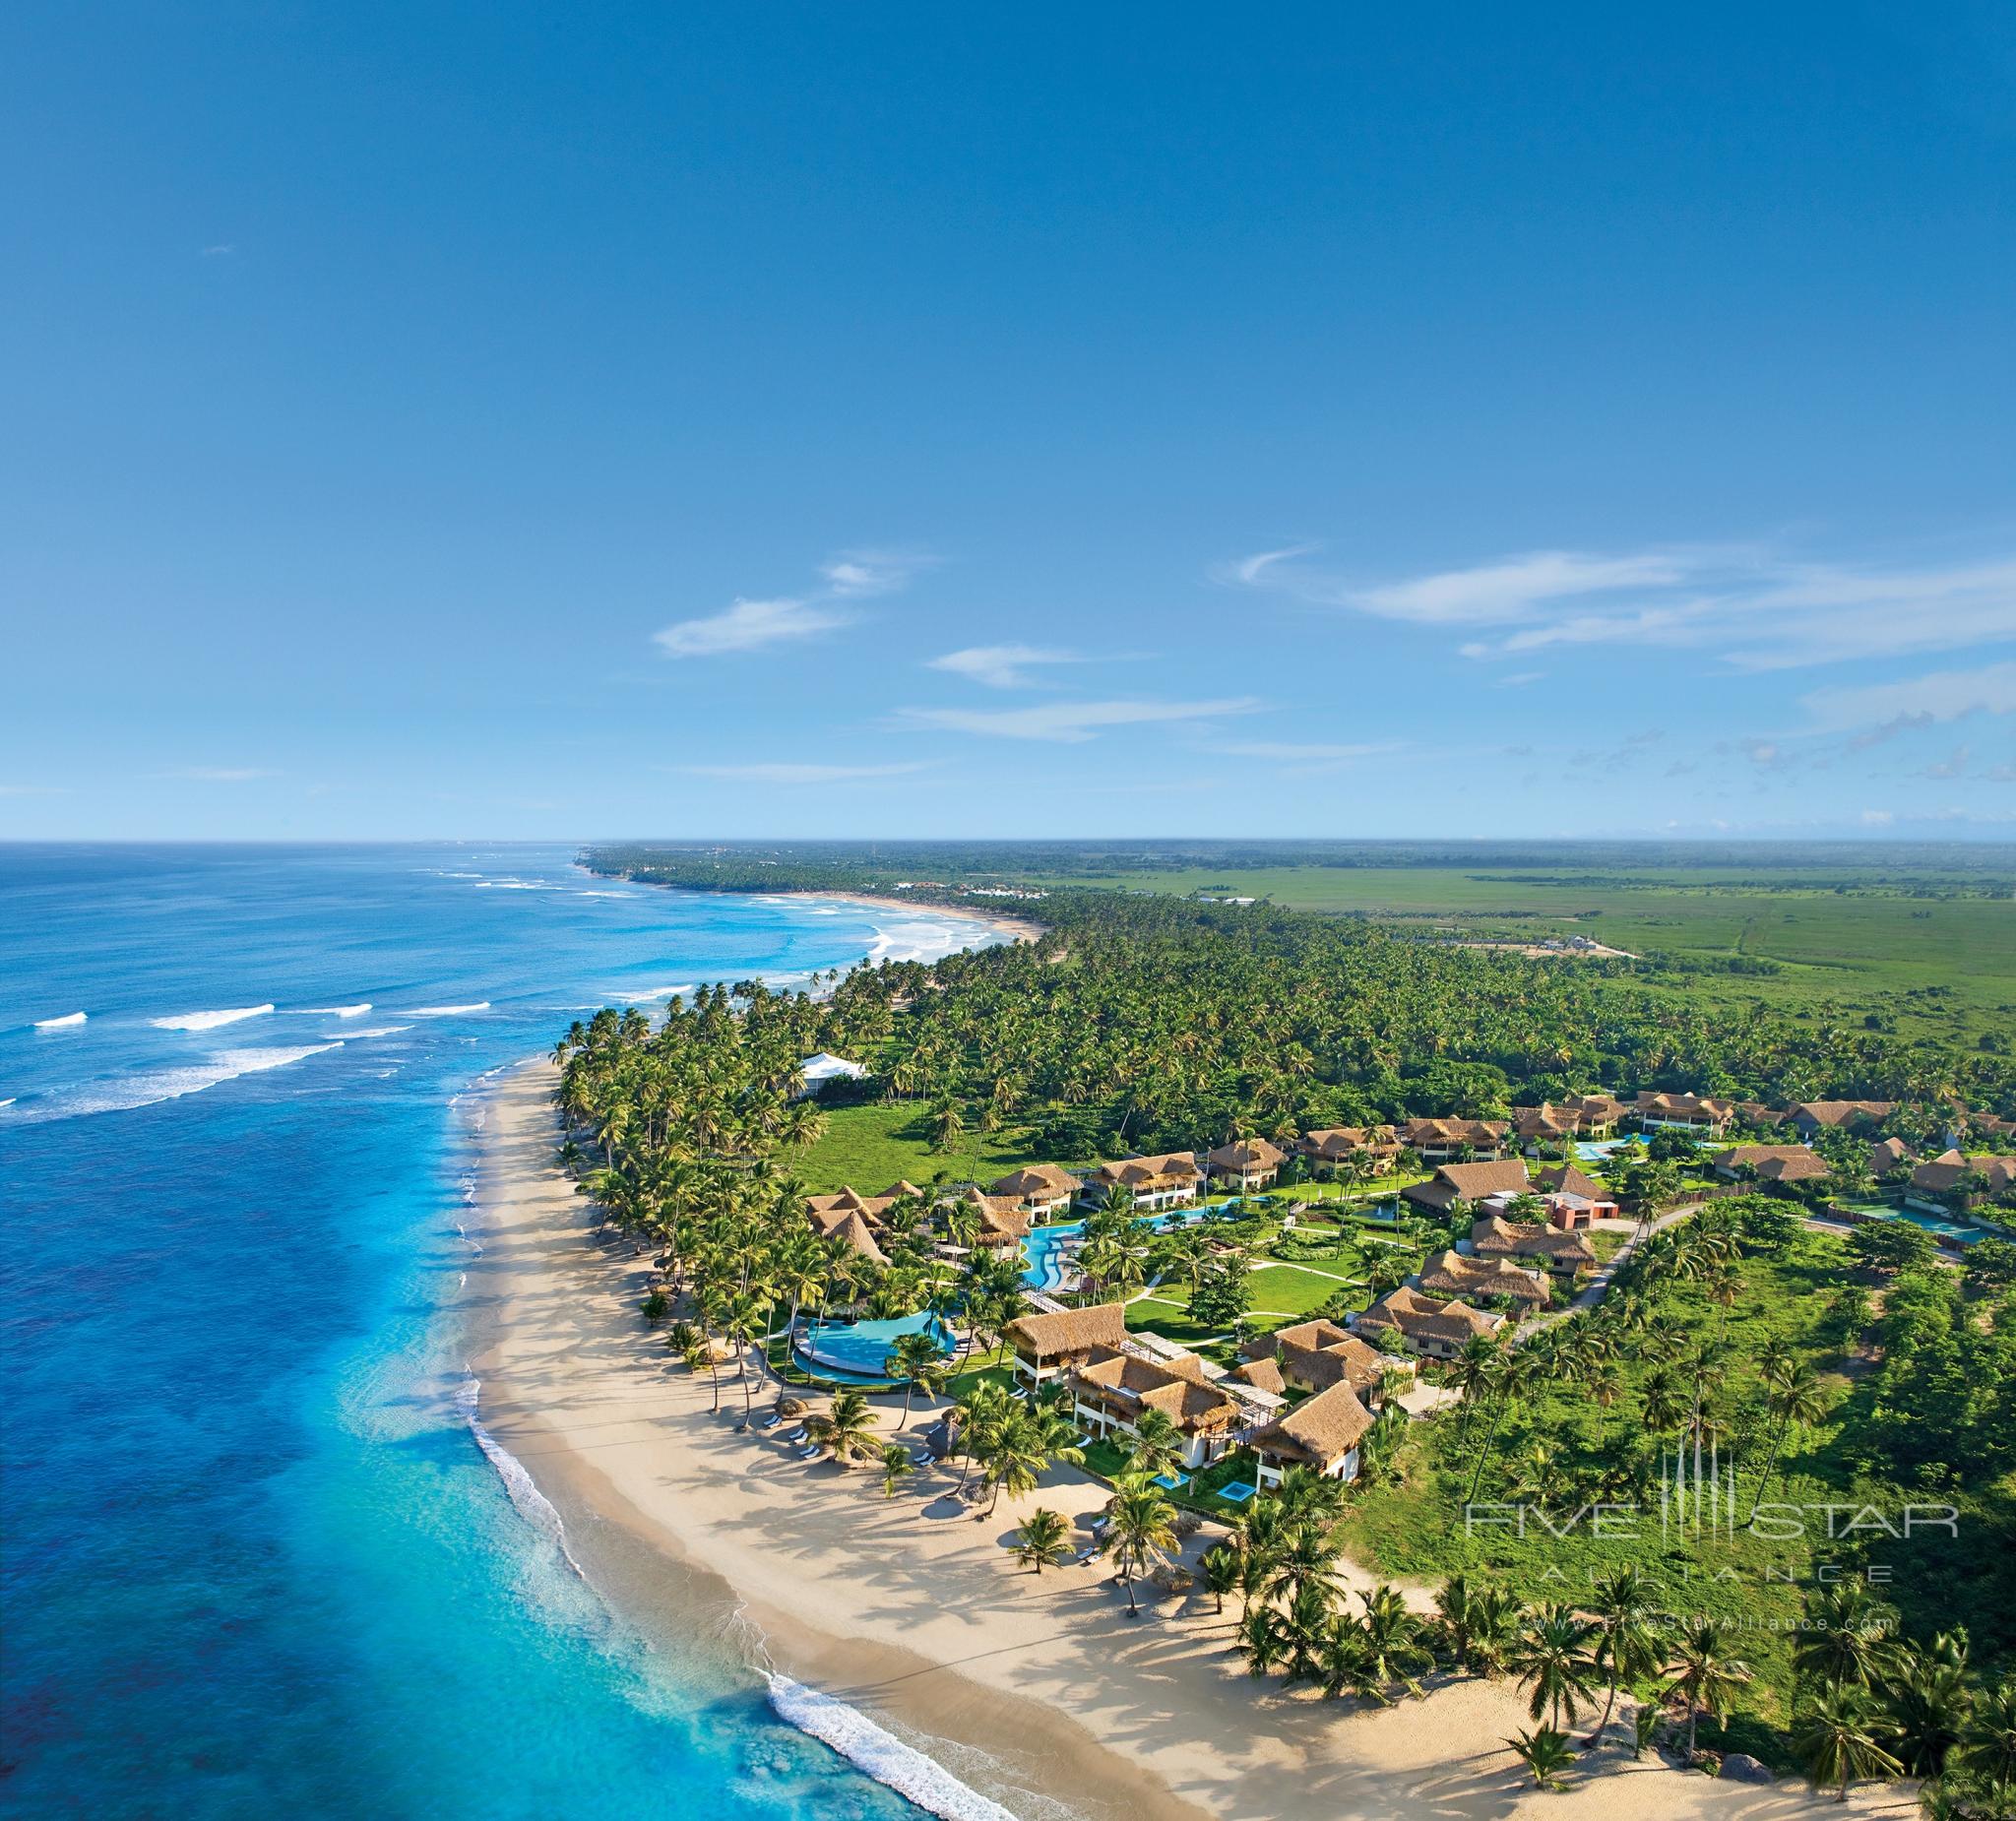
point(879, 1753)
point(336, 1011)
point(57, 1024)
point(147, 1088)
point(447, 1011)
point(209, 1021)
point(532, 1504)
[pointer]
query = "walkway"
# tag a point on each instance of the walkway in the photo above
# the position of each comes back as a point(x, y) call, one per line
point(1592, 1292)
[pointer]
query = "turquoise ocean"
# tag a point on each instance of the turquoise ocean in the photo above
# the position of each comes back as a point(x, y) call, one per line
point(256, 1560)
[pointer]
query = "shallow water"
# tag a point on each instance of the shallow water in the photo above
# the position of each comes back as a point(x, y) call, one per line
point(256, 1558)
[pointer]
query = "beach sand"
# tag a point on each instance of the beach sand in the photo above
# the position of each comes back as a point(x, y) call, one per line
point(1038, 1690)
point(1005, 925)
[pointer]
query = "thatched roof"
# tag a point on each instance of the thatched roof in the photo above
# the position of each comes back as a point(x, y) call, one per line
point(1321, 1430)
point(1773, 1162)
point(1842, 1112)
point(1456, 1275)
point(852, 1228)
point(1185, 1396)
point(1454, 1183)
point(1246, 1156)
point(1494, 1236)
point(1150, 1174)
point(1410, 1313)
point(1950, 1168)
point(1332, 1144)
point(1438, 1134)
point(1037, 1182)
point(1262, 1375)
point(1566, 1179)
point(1068, 1331)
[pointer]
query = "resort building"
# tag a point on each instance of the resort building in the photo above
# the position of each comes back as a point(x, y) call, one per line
point(1468, 1182)
point(1003, 1221)
point(1321, 1434)
point(1887, 1156)
point(1811, 1116)
point(1950, 1174)
point(1581, 1115)
point(1771, 1164)
point(1039, 1191)
point(1426, 1324)
point(1573, 1197)
point(820, 1071)
point(1245, 1164)
point(1333, 1144)
point(1683, 1112)
point(1167, 1181)
point(1450, 1274)
point(1314, 1355)
point(1550, 1247)
point(1048, 1343)
point(1437, 1140)
point(1113, 1385)
point(852, 1225)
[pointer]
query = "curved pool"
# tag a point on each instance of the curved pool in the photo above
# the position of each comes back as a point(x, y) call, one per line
point(860, 1349)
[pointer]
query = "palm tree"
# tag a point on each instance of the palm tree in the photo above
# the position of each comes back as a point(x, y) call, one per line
point(917, 1360)
point(1839, 1743)
point(1021, 1448)
point(1545, 1753)
point(1044, 1537)
point(1930, 1700)
point(1793, 1394)
point(845, 1429)
point(1156, 1446)
point(1844, 1638)
point(1704, 1675)
point(1221, 1569)
point(1627, 1646)
point(983, 1408)
point(896, 1466)
point(1989, 1746)
point(1393, 1648)
point(1556, 1653)
point(1140, 1529)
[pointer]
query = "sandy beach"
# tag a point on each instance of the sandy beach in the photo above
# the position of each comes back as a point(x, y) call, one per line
point(1040, 1691)
point(1006, 926)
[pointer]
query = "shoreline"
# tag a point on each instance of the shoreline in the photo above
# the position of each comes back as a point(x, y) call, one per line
point(1038, 1691)
point(1010, 926)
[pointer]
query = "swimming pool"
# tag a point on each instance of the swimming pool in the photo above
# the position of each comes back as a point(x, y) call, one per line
point(1046, 1250)
point(1948, 1232)
point(860, 1349)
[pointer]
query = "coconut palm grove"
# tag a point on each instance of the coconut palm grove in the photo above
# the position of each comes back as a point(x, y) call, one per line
point(1648, 1311)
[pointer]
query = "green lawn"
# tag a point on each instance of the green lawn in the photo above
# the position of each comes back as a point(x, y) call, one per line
point(1290, 1289)
point(867, 1148)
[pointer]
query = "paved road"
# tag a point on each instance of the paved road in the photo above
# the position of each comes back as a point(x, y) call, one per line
point(1592, 1292)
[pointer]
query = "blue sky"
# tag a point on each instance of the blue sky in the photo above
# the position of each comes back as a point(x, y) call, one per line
point(1467, 420)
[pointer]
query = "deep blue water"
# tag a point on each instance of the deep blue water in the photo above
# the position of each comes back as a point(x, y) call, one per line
point(255, 1563)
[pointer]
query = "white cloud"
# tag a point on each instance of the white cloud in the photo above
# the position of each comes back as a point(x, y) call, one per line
point(1519, 680)
point(747, 626)
point(1877, 818)
point(219, 251)
point(1915, 702)
point(1071, 722)
point(785, 771)
point(1000, 667)
point(871, 572)
point(1753, 609)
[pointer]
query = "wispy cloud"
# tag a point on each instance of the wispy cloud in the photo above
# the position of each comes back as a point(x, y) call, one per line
point(1756, 609)
point(1070, 722)
point(747, 626)
point(223, 249)
point(220, 773)
point(1883, 709)
point(750, 625)
point(785, 772)
point(872, 572)
point(1519, 680)
point(1001, 667)
point(32, 791)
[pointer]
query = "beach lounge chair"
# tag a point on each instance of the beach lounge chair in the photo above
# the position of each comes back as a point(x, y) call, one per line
point(811, 1452)
point(769, 1422)
point(796, 1435)
point(1086, 1556)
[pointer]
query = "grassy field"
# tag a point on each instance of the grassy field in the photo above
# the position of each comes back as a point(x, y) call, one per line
point(867, 1148)
point(1861, 940)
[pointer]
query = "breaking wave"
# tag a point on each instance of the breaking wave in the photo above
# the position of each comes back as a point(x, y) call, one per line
point(447, 1011)
point(209, 1021)
point(532, 1504)
point(880, 1754)
point(147, 1088)
point(57, 1024)
point(336, 1011)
